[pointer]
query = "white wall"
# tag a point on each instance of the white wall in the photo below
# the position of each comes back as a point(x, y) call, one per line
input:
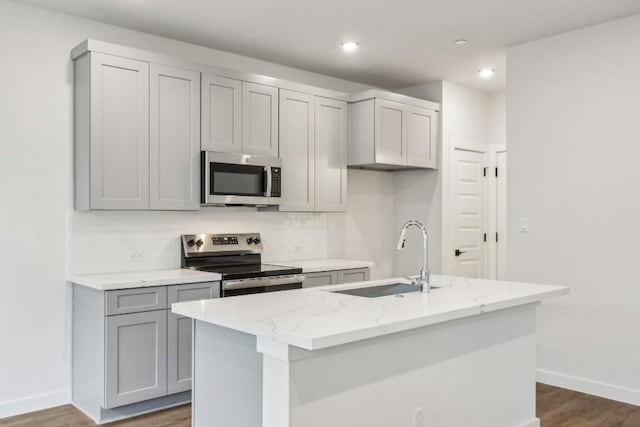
point(466, 117)
point(44, 239)
point(497, 118)
point(366, 230)
point(574, 143)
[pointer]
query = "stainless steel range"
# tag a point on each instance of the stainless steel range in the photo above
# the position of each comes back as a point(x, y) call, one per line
point(238, 258)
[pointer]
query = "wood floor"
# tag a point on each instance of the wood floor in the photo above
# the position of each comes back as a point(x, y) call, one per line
point(556, 408)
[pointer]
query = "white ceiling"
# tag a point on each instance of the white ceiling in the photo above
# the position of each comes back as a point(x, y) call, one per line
point(403, 42)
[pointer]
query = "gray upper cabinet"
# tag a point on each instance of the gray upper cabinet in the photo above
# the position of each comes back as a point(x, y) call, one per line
point(137, 135)
point(331, 142)
point(313, 148)
point(259, 120)
point(136, 357)
point(391, 131)
point(112, 132)
point(297, 117)
point(422, 137)
point(221, 114)
point(174, 156)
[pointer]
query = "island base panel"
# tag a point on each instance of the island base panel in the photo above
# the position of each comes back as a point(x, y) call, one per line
point(477, 371)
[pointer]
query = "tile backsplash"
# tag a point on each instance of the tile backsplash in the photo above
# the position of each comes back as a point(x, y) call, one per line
point(128, 241)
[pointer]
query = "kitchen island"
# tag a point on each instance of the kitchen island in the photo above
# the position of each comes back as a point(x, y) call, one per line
point(463, 355)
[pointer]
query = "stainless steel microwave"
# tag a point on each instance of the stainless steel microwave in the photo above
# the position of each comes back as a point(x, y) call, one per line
point(239, 179)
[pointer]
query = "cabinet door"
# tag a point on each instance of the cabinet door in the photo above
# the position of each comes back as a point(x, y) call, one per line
point(331, 133)
point(390, 132)
point(355, 275)
point(136, 358)
point(322, 278)
point(297, 112)
point(259, 120)
point(179, 333)
point(221, 114)
point(179, 353)
point(119, 133)
point(422, 137)
point(174, 154)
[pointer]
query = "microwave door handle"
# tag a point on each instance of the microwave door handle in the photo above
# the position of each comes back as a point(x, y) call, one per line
point(207, 177)
point(267, 172)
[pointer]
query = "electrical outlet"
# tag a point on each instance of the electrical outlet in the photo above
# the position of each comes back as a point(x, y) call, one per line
point(136, 257)
point(418, 418)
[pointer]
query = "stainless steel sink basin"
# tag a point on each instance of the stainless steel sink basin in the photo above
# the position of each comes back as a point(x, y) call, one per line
point(382, 290)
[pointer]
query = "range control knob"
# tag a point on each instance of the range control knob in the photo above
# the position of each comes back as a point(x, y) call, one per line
point(191, 243)
point(199, 243)
point(256, 240)
point(249, 240)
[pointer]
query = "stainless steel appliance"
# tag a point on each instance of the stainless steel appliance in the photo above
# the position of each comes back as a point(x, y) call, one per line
point(239, 179)
point(238, 258)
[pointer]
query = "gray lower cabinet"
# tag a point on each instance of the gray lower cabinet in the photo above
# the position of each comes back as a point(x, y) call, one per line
point(355, 275)
point(128, 348)
point(179, 329)
point(325, 278)
point(179, 334)
point(136, 357)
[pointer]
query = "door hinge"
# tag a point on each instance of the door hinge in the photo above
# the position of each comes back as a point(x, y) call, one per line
point(485, 237)
point(484, 171)
point(496, 237)
point(496, 172)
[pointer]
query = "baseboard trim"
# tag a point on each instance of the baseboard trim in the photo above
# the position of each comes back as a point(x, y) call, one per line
point(34, 403)
point(533, 423)
point(595, 388)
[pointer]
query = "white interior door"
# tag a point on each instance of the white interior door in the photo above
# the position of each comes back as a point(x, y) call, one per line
point(501, 214)
point(469, 212)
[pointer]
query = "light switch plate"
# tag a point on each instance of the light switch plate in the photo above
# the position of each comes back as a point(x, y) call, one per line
point(524, 225)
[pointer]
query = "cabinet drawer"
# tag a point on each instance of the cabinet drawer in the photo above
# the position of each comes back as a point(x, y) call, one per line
point(355, 275)
point(193, 292)
point(320, 279)
point(136, 300)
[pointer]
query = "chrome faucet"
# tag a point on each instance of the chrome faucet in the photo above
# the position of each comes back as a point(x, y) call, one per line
point(423, 280)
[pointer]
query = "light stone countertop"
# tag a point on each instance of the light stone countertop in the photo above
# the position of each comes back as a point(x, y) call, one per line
point(329, 264)
point(314, 318)
point(141, 279)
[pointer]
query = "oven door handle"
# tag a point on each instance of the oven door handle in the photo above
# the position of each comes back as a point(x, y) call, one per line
point(262, 282)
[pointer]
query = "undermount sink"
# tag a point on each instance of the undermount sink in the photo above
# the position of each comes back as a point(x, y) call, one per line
point(382, 290)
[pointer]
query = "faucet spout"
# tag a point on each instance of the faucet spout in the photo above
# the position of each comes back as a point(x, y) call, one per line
point(424, 277)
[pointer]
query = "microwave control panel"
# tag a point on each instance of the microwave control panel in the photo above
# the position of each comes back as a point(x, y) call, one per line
point(276, 182)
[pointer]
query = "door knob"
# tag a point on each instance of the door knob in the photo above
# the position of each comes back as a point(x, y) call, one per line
point(459, 252)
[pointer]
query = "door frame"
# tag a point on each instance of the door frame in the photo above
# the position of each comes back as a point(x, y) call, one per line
point(490, 208)
point(494, 149)
point(449, 206)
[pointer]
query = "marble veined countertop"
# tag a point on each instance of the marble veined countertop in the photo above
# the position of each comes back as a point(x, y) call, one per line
point(315, 318)
point(140, 279)
point(330, 264)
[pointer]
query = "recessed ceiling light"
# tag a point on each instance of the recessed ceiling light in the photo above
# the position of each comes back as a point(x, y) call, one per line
point(486, 73)
point(350, 46)
point(461, 42)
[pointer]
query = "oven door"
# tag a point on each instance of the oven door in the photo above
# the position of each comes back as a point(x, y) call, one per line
point(261, 284)
point(234, 179)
